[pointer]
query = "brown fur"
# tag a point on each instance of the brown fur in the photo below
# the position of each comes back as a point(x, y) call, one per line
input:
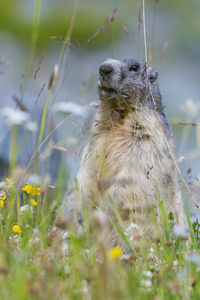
point(127, 158)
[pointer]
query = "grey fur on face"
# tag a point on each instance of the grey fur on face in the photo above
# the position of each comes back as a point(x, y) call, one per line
point(120, 79)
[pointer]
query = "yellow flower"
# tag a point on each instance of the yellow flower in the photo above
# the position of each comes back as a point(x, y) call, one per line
point(3, 198)
point(31, 189)
point(33, 202)
point(27, 189)
point(114, 253)
point(35, 191)
point(9, 180)
point(16, 229)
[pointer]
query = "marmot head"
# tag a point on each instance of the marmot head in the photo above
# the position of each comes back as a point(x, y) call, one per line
point(128, 82)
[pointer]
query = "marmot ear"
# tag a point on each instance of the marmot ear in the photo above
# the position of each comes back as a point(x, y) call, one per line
point(152, 74)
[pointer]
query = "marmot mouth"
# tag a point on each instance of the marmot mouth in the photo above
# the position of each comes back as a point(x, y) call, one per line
point(108, 89)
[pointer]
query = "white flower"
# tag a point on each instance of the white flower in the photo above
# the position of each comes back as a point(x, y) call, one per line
point(175, 263)
point(25, 208)
point(35, 231)
point(15, 116)
point(15, 240)
point(147, 283)
point(70, 107)
point(191, 107)
point(133, 232)
point(34, 241)
point(133, 225)
point(147, 274)
point(2, 185)
point(35, 179)
point(84, 287)
point(32, 260)
point(31, 126)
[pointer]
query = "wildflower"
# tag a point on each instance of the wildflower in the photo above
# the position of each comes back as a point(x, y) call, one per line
point(3, 198)
point(114, 253)
point(128, 257)
point(35, 191)
point(70, 107)
point(133, 232)
point(25, 208)
point(35, 241)
point(14, 117)
point(27, 189)
point(146, 283)
point(175, 263)
point(9, 180)
point(16, 229)
point(31, 126)
point(14, 241)
point(33, 202)
point(31, 189)
point(191, 107)
point(85, 289)
point(2, 185)
point(35, 231)
point(147, 274)
point(34, 179)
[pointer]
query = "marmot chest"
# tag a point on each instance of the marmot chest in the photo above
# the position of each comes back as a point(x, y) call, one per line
point(132, 150)
point(120, 149)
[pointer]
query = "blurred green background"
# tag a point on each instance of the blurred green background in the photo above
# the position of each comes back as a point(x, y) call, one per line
point(181, 18)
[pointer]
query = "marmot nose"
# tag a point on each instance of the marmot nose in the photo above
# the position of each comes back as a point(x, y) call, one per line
point(105, 69)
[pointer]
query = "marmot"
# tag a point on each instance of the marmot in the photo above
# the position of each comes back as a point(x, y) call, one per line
point(126, 162)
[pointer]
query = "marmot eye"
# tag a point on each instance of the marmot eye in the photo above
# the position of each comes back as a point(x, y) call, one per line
point(134, 68)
